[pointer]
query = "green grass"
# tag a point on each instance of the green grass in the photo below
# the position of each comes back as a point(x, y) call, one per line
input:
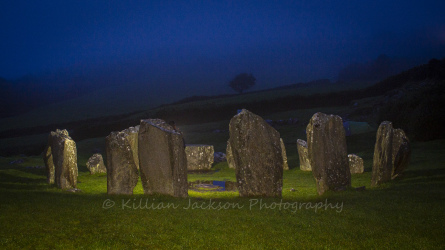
point(403, 214)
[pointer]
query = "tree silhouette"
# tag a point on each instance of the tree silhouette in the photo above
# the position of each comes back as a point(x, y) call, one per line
point(242, 82)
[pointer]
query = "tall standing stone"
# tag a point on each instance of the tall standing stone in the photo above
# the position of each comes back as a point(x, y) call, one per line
point(382, 162)
point(356, 164)
point(401, 153)
point(122, 172)
point(162, 159)
point(229, 156)
point(64, 153)
point(257, 155)
point(49, 165)
point(305, 164)
point(284, 155)
point(327, 153)
point(199, 157)
point(95, 164)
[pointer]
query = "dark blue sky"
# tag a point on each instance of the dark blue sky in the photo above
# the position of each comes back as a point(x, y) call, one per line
point(203, 44)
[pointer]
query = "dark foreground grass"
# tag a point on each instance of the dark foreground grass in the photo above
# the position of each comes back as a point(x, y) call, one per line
point(404, 214)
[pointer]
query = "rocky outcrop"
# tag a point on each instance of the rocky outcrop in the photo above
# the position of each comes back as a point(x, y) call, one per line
point(49, 165)
point(401, 153)
point(199, 157)
point(327, 153)
point(256, 151)
point(64, 156)
point(122, 172)
point(355, 164)
point(284, 155)
point(229, 156)
point(305, 164)
point(162, 159)
point(95, 164)
point(382, 162)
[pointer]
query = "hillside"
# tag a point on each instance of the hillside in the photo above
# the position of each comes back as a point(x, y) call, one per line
point(419, 89)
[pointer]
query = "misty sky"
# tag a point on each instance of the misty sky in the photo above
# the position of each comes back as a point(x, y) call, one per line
point(203, 44)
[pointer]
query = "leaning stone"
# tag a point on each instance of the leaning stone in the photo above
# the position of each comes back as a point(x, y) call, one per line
point(327, 153)
point(199, 157)
point(49, 165)
point(95, 164)
point(284, 155)
point(356, 164)
point(305, 165)
point(257, 155)
point(382, 162)
point(122, 172)
point(401, 153)
point(64, 153)
point(229, 156)
point(162, 159)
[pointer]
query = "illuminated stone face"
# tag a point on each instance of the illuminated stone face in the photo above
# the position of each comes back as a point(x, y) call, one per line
point(122, 172)
point(327, 153)
point(257, 155)
point(62, 149)
point(162, 159)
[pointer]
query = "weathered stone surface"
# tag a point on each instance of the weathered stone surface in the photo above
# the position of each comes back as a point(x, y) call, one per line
point(356, 164)
point(284, 155)
point(133, 140)
point(229, 156)
point(327, 153)
point(122, 172)
point(49, 165)
point(305, 164)
point(64, 154)
point(199, 157)
point(95, 164)
point(257, 155)
point(162, 159)
point(401, 153)
point(382, 162)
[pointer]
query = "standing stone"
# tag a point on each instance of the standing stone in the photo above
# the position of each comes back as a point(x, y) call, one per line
point(229, 156)
point(199, 157)
point(64, 154)
point(356, 164)
point(257, 155)
point(382, 162)
point(162, 159)
point(49, 165)
point(133, 140)
point(122, 172)
point(284, 155)
point(305, 164)
point(401, 153)
point(327, 153)
point(95, 164)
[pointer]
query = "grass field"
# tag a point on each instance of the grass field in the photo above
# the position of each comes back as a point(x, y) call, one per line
point(406, 213)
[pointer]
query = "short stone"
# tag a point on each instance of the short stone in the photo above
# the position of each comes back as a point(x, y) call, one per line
point(356, 164)
point(95, 164)
point(199, 157)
